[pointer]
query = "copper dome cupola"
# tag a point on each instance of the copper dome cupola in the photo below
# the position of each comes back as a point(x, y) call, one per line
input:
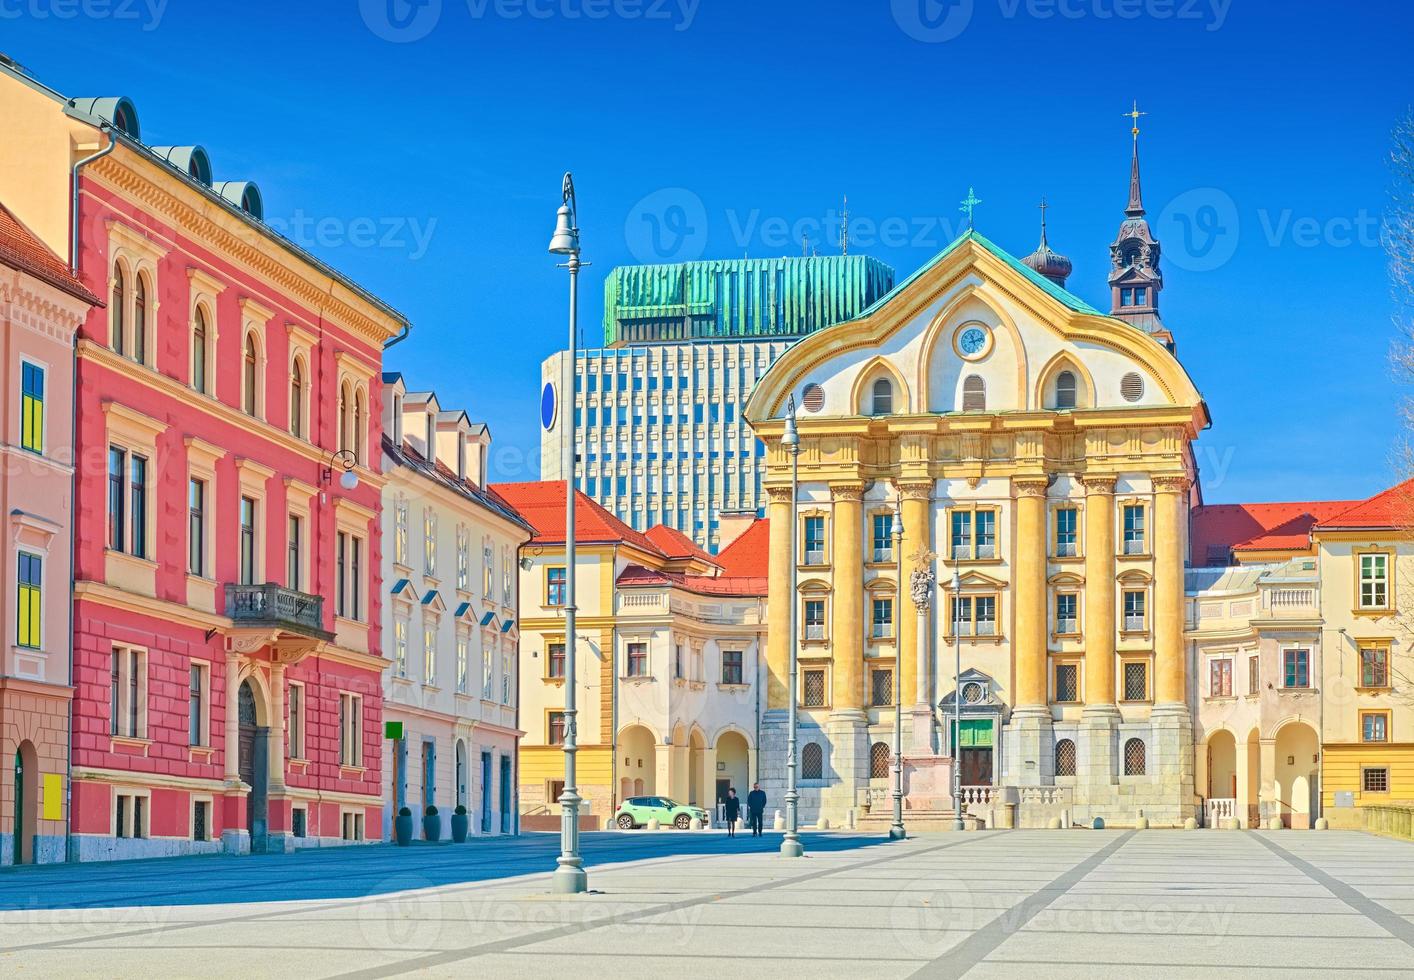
point(1051, 264)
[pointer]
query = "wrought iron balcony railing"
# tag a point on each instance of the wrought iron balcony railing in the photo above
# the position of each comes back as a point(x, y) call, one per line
point(274, 605)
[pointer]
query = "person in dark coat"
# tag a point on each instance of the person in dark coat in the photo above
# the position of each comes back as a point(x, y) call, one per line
point(755, 808)
point(731, 809)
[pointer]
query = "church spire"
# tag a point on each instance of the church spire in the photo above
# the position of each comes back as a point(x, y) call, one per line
point(1136, 201)
point(1052, 265)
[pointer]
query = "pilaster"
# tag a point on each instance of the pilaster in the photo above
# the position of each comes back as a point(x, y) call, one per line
point(847, 627)
point(779, 598)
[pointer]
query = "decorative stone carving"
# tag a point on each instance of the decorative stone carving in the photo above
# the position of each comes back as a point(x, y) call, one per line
point(1171, 484)
point(1030, 486)
point(779, 495)
point(923, 579)
point(1099, 484)
point(915, 491)
point(847, 491)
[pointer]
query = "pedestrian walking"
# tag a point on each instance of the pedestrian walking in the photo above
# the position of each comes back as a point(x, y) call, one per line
point(755, 808)
point(731, 809)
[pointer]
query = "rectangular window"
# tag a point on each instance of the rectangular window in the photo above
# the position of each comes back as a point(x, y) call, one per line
point(294, 560)
point(1067, 683)
point(196, 527)
point(961, 534)
point(1067, 605)
point(137, 505)
point(200, 825)
point(463, 558)
point(732, 667)
point(881, 687)
point(1134, 621)
point(555, 734)
point(1374, 666)
point(1254, 674)
point(429, 542)
point(32, 407)
point(196, 705)
point(299, 821)
point(463, 667)
point(812, 688)
point(814, 619)
point(350, 730)
point(400, 647)
point(139, 816)
point(1067, 532)
point(557, 660)
point(1374, 780)
point(1296, 668)
point(115, 689)
point(882, 619)
point(117, 499)
point(973, 534)
point(30, 633)
point(295, 703)
point(1374, 581)
point(429, 656)
point(814, 541)
point(1136, 680)
point(986, 524)
point(120, 815)
point(400, 532)
point(1374, 726)
point(555, 587)
point(883, 529)
point(637, 665)
point(1134, 529)
point(341, 547)
point(985, 608)
point(248, 570)
point(355, 578)
point(1220, 678)
point(128, 693)
point(486, 671)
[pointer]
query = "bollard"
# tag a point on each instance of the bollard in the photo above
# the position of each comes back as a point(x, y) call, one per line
point(780, 821)
point(696, 824)
point(1142, 823)
point(653, 824)
point(1322, 823)
point(1054, 823)
point(823, 823)
point(1191, 823)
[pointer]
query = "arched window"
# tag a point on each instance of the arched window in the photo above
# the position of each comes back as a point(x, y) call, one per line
point(297, 398)
point(345, 407)
point(974, 394)
point(198, 351)
point(140, 320)
point(879, 757)
point(883, 398)
point(251, 375)
point(360, 425)
point(812, 761)
point(1065, 389)
point(1065, 757)
point(1134, 757)
point(119, 309)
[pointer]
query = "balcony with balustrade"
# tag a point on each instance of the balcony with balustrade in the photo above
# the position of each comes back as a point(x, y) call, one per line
point(270, 614)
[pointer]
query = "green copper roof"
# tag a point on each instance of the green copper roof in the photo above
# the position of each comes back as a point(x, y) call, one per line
point(722, 299)
point(1056, 292)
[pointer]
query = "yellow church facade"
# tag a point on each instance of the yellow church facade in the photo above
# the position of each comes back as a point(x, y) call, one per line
point(1039, 454)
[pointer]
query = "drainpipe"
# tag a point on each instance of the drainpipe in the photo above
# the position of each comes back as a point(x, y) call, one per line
point(73, 441)
point(407, 329)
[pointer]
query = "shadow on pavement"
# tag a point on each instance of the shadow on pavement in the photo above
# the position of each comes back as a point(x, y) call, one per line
point(358, 872)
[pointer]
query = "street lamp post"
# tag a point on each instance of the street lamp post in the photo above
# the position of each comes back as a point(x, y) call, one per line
point(896, 830)
point(790, 844)
point(570, 877)
point(957, 823)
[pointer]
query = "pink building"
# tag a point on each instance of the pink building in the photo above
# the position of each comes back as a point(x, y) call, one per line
point(41, 307)
point(227, 664)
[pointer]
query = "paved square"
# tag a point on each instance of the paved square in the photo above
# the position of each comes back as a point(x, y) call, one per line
point(1057, 904)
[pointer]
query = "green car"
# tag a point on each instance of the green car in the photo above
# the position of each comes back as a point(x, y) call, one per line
point(636, 811)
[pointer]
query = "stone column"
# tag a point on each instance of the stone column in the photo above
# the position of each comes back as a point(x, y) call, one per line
point(1097, 765)
point(276, 752)
point(846, 622)
point(1169, 505)
point(917, 538)
point(1267, 805)
point(1244, 781)
point(1031, 717)
point(921, 587)
point(232, 747)
point(778, 597)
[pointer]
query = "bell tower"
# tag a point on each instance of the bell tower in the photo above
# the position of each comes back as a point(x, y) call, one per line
point(1135, 279)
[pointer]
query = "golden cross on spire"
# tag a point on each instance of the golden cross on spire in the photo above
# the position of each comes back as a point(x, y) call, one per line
point(1134, 115)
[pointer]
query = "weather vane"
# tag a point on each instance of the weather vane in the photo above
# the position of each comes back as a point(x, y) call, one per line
point(969, 204)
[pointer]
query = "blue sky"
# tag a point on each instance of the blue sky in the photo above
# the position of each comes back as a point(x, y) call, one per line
point(419, 150)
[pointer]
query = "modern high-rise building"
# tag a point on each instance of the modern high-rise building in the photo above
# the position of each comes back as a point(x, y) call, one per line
point(660, 433)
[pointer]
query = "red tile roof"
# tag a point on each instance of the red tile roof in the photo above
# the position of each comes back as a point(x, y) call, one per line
point(1219, 529)
point(543, 505)
point(1392, 508)
point(675, 544)
point(749, 555)
point(638, 576)
point(21, 249)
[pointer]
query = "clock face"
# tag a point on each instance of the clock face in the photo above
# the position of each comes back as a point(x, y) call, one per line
point(972, 341)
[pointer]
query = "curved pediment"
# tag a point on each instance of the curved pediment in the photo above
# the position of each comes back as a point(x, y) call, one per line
point(977, 331)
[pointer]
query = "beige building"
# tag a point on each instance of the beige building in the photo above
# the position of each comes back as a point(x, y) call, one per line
point(669, 659)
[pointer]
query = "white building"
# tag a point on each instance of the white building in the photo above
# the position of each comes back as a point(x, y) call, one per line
point(449, 619)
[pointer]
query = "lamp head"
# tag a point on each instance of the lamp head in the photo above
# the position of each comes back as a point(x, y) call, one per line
point(790, 438)
point(348, 480)
point(898, 523)
point(565, 240)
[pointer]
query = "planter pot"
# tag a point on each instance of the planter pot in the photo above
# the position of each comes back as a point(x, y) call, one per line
point(461, 823)
point(402, 829)
point(432, 828)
